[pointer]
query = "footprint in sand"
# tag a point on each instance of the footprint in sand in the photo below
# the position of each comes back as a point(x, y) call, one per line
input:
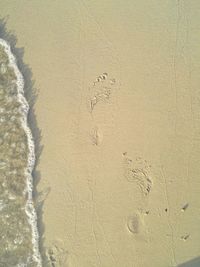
point(133, 223)
point(138, 171)
point(57, 255)
point(101, 90)
point(136, 225)
point(96, 136)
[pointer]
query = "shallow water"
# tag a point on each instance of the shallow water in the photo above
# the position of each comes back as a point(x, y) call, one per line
point(16, 231)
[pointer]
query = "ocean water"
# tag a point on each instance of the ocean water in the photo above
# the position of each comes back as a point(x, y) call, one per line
point(18, 221)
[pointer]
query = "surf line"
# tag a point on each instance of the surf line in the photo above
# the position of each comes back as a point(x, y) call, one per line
point(29, 208)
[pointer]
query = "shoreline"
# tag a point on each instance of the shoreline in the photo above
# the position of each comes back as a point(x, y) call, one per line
point(29, 208)
point(30, 95)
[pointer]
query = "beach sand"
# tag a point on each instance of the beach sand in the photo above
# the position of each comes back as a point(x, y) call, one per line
point(118, 109)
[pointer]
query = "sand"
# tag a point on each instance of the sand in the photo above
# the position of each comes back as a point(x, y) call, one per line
point(118, 109)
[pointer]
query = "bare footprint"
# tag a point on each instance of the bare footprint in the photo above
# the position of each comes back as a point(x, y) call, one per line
point(101, 90)
point(96, 136)
point(57, 255)
point(138, 171)
point(136, 226)
point(133, 223)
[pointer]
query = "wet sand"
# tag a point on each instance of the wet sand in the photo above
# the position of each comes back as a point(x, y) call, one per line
point(118, 108)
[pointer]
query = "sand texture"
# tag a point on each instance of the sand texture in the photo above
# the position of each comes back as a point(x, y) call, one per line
point(118, 108)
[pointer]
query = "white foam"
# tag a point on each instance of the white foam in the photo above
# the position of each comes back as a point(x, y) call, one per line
point(30, 210)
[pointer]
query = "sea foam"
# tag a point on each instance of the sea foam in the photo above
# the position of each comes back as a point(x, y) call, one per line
point(30, 210)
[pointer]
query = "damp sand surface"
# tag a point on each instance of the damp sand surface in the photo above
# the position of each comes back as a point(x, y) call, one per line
point(118, 108)
point(17, 221)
